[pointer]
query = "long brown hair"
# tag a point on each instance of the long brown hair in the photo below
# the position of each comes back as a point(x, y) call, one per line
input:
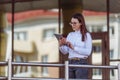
point(83, 28)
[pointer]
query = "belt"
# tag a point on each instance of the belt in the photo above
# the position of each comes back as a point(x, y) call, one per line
point(76, 58)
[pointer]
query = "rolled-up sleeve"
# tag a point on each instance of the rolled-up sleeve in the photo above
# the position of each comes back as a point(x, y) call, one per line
point(63, 49)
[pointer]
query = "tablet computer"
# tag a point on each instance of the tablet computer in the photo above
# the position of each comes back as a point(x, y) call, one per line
point(58, 36)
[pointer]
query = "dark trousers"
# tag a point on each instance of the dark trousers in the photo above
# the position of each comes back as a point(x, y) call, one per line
point(78, 72)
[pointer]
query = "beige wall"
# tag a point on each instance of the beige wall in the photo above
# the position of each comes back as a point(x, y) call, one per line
point(35, 46)
point(3, 40)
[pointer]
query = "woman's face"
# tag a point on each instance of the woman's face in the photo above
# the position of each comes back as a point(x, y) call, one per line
point(75, 24)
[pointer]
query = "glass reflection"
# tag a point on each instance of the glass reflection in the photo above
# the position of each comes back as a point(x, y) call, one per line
point(114, 36)
point(5, 40)
point(34, 40)
point(33, 32)
point(95, 21)
point(97, 59)
point(114, 72)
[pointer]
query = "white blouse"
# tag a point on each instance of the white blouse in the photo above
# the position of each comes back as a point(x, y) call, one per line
point(81, 48)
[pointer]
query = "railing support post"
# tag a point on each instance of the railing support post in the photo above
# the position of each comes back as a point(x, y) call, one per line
point(9, 69)
point(119, 71)
point(66, 70)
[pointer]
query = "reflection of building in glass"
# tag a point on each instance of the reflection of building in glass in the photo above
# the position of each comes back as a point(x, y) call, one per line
point(97, 58)
point(98, 24)
point(34, 42)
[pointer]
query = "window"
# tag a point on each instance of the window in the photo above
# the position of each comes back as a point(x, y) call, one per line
point(44, 69)
point(97, 48)
point(96, 28)
point(16, 36)
point(20, 69)
point(48, 33)
point(18, 58)
point(112, 72)
point(112, 32)
point(111, 54)
point(97, 72)
point(20, 36)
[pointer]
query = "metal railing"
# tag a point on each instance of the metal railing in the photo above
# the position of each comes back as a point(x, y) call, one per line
point(66, 65)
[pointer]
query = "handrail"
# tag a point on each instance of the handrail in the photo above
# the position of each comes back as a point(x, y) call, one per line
point(3, 78)
point(118, 71)
point(18, 78)
point(35, 64)
point(3, 63)
point(93, 66)
point(66, 65)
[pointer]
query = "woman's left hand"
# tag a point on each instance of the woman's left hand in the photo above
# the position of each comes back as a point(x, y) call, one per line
point(69, 45)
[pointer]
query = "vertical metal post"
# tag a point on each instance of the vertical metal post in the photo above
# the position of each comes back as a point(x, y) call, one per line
point(13, 20)
point(59, 16)
point(66, 70)
point(107, 76)
point(119, 71)
point(9, 69)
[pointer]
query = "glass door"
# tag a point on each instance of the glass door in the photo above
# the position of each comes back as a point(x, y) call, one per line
point(99, 56)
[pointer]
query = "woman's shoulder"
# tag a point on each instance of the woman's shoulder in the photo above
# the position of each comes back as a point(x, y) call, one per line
point(71, 33)
point(88, 33)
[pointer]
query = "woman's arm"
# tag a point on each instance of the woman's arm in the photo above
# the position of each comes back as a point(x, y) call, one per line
point(63, 47)
point(86, 50)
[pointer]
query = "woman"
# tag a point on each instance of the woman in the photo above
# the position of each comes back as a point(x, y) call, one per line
point(78, 45)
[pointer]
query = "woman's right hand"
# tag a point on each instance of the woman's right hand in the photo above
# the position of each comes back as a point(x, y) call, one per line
point(62, 41)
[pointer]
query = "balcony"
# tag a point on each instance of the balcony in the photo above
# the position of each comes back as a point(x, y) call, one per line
point(23, 47)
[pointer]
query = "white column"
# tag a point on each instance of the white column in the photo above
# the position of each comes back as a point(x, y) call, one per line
point(66, 70)
point(119, 71)
point(9, 69)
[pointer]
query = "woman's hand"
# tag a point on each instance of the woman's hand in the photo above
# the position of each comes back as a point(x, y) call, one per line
point(70, 45)
point(62, 41)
